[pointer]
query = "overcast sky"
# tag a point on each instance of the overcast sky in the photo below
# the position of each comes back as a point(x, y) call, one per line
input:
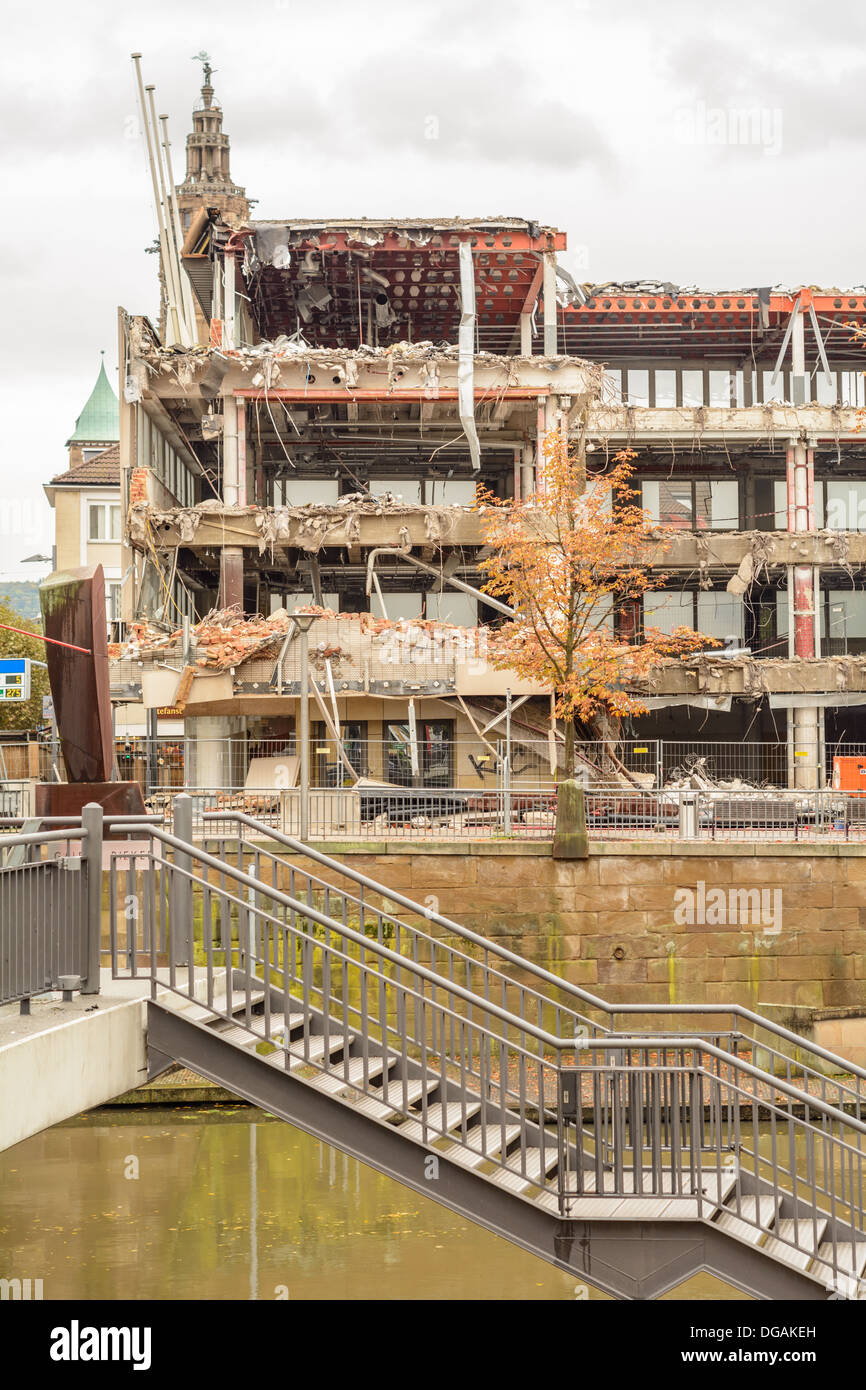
point(623, 124)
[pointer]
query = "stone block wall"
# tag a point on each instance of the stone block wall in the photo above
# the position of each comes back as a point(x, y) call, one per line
point(780, 928)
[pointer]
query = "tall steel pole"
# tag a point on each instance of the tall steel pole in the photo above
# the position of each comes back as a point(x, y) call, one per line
point(173, 309)
point(185, 286)
point(173, 250)
point(305, 732)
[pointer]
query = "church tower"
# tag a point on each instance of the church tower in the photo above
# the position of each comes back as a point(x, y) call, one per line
point(208, 179)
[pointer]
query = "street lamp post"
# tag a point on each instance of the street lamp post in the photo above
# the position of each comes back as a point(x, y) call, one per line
point(304, 622)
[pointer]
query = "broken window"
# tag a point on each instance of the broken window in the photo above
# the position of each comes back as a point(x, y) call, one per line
point(720, 615)
point(667, 611)
point(430, 763)
point(638, 386)
point(666, 388)
point(688, 504)
point(846, 505)
point(693, 388)
point(722, 389)
point(328, 768)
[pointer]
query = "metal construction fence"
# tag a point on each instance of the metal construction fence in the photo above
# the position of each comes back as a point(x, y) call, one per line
point(371, 813)
point(433, 759)
point(529, 814)
point(50, 909)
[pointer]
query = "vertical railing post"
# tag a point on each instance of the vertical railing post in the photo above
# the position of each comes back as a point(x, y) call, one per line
point(91, 858)
point(181, 925)
point(507, 778)
point(304, 732)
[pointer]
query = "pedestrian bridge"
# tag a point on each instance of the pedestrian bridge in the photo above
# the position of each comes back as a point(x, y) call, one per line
point(632, 1146)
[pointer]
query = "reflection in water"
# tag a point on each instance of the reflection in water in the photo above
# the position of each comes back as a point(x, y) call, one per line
point(231, 1204)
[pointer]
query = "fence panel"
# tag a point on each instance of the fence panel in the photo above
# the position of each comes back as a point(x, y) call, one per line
point(43, 925)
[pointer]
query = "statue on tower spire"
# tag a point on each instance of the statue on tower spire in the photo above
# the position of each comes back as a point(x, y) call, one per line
point(208, 68)
point(208, 180)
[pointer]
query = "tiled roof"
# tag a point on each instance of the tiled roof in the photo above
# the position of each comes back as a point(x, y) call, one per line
point(99, 421)
point(101, 471)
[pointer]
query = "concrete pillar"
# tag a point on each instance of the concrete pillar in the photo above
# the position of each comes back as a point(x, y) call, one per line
point(527, 471)
point(232, 557)
point(801, 608)
point(799, 384)
point(229, 302)
point(211, 750)
point(549, 291)
point(540, 432)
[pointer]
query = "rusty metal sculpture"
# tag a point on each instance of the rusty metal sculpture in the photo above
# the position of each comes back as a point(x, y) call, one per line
point(73, 614)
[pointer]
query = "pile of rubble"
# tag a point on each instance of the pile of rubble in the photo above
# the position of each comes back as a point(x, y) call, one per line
point(226, 638)
point(697, 777)
point(223, 639)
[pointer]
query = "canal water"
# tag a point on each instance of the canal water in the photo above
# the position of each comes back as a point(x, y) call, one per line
point(224, 1203)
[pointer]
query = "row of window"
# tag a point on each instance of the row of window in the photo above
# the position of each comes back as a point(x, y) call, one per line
point(430, 763)
point(842, 615)
point(704, 504)
point(632, 386)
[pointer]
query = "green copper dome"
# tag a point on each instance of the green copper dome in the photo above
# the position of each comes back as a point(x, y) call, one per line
point(99, 421)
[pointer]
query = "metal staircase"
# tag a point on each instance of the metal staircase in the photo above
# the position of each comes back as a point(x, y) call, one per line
point(631, 1156)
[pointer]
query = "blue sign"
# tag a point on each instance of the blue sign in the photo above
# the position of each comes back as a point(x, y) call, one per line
point(14, 678)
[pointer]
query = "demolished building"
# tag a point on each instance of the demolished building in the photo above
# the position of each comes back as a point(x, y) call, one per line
point(317, 435)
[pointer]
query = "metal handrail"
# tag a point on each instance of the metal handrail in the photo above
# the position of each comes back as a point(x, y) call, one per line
point(576, 991)
point(651, 1126)
point(363, 881)
point(558, 1044)
point(76, 820)
point(41, 837)
point(369, 944)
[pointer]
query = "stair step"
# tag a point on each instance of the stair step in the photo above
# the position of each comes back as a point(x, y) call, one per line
point(315, 1050)
point(807, 1237)
point(755, 1216)
point(450, 1116)
point(438, 1124)
point(470, 1155)
point(850, 1261)
point(199, 1013)
point(246, 1037)
point(536, 1165)
point(400, 1100)
point(335, 1082)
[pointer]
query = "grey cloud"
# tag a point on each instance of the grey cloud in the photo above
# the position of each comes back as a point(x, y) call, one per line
point(820, 103)
point(434, 106)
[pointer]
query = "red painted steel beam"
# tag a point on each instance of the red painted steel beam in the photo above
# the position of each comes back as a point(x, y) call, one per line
point(332, 393)
point(677, 307)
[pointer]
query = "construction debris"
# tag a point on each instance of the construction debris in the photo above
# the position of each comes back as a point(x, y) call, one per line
point(221, 641)
point(307, 526)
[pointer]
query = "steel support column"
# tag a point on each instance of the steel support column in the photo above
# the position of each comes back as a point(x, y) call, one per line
point(232, 557)
point(801, 600)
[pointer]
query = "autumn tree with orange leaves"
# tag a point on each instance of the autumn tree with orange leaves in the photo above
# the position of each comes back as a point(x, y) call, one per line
point(569, 560)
